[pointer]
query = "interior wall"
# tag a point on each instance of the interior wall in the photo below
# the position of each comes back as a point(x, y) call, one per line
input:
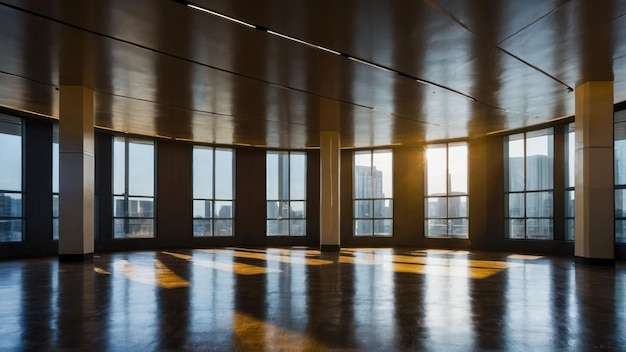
point(250, 213)
point(174, 206)
point(346, 224)
point(174, 189)
point(103, 188)
point(480, 219)
point(408, 195)
point(37, 193)
point(38, 181)
point(491, 190)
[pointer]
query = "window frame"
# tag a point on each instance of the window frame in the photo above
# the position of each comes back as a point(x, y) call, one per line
point(372, 200)
point(447, 196)
point(569, 189)
point(56, 155)
point(290, 219)
point(619, 118)
point(214, 199)
point(549, 131)
point(127, 196)
point(21, 192)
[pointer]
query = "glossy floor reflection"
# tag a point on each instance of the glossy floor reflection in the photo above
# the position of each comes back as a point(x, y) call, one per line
point(297, 299)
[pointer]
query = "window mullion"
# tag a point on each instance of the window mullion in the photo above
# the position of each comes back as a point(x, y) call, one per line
point(524, 183)
point(288, 196)
point(372, 190)
point(447, 185)
point(126, 186)
point(212, 201)
point(126, 171)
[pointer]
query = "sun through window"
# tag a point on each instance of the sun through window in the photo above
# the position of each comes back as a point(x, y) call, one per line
point(373, 193)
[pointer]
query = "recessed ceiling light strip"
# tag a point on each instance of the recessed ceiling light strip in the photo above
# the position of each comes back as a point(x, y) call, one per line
point(371, 64)
point(250, 25)
point(315, 46)
point(196, 7)
point(328, 50)
point(302, 42)
point(289, 38)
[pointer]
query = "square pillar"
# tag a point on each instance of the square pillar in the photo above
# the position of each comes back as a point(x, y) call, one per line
point(595, 205)
point(330, 172)
point(330, 211)
point(76, 171)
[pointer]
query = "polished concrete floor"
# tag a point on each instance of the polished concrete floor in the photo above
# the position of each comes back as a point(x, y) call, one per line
point(300, 300)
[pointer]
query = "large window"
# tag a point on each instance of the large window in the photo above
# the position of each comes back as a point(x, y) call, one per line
point(133, 188)
point(11, 220)
point(446, 205)
point(286, 193)
point(620, 176)
point(570, 173)
point(373, 193)
point(213, 201)
point(529, 188)
point(55, 182)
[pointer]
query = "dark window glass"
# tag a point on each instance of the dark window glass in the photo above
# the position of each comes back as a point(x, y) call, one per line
point(11, 197)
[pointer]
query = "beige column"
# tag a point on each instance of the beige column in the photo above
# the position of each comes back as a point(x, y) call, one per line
point(594, 217)
point(76, 173)
point(330, 164)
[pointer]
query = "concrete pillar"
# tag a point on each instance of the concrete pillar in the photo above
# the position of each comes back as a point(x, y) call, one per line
point(594, 217)
point(76, 169)
point(330, 152)
point(330, 163)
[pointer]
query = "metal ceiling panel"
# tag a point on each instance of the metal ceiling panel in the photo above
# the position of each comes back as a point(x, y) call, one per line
point(435, 69)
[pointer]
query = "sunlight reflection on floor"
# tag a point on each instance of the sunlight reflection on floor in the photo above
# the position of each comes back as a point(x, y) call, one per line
point(422, 262)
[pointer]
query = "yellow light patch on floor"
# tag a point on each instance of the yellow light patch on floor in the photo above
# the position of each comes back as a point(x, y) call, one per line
point(524, 257)
point(448, 265)
point(492, 264)
point(253, 334)
point(458, 272)
point(361, 259)
point(281, 258)
point(453, 267)
point(158, 275)
point(237, 268)
point(178, 255)
point(366, 250)
point(433, 251)
point(166, 278)
point(229, 266)
point(101, 271)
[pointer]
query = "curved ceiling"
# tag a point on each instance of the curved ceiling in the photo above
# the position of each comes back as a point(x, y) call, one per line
point(394, 72)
